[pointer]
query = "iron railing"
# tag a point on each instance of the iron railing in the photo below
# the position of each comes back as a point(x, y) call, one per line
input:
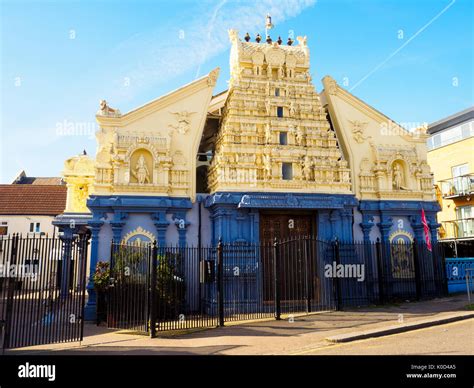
point(169, 288)
point(42, 289)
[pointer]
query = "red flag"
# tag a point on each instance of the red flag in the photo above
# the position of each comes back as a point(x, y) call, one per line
point(426, 229)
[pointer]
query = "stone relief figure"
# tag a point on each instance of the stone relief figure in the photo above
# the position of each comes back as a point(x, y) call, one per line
point(268, 107)
point(184, 121)
point(299, 136)
point(358, 128)
point(268, 134)
point(292, 108)
point(267, 165)
point(141, 171)
point(307, 168)
point(397, 178)
point(281, 72)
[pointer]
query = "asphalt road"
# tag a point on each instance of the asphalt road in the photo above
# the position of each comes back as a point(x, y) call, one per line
point(451, 339)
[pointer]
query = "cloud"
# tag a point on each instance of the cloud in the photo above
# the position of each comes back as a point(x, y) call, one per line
point(172, 50)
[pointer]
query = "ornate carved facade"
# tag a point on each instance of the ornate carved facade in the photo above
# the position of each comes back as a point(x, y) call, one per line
point(151, 150)
point(78, 174)
point(274, 134)
point(397, 173)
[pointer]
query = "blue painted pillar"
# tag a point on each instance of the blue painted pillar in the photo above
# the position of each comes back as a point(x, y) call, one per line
point(417, 227)
point(366, 226)
point(181, 225)
point(161, 225)
point(117, 224)
point(347, 231)
point(66, 239)
point(324, 225)
point(254, 225)
point(90, 312)
point(217, 218)
point(336, 228)
point(384, 226)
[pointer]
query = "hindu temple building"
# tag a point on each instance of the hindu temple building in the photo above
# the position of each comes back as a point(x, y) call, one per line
point(269, 157)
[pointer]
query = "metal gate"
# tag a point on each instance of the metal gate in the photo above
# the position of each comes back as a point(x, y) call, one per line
point(161, 288)
point(42, 289)
point(169, 288)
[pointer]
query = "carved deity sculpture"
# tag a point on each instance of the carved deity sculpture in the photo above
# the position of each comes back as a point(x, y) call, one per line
point(267, 163)
point(268, 107)
point(268, 134)
point(292, 108)
point(397, 177)
point(299, 136)
point(281, 72)
point(141, 171)
point(307, 168)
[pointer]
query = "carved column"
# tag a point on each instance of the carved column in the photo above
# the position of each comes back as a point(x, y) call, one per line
point(384, 226)
point(161, 225)
point(366, 226)
point(181, 225)
point(417, 226)
point(346, 215)
point(335, 220)
point(117, 224)
point(90, 309)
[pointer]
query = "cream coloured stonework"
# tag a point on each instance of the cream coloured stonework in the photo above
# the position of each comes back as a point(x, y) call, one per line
point(249, 154)
point(386, 161)
point(78, 173)
point(152, 150)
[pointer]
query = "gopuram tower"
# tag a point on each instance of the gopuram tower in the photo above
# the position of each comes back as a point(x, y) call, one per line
point(274, 134)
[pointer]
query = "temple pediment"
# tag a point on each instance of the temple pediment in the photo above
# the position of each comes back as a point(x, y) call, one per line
point(386, 160)
point(151, 149)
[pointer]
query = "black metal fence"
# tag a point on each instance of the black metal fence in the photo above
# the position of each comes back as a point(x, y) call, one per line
point(42, 289)
point(172, 287)
point(168, 288)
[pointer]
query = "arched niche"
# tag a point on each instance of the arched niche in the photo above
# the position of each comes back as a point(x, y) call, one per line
point(398, 174)
point(141, 167)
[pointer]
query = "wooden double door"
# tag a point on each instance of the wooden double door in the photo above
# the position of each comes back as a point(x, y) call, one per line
point(294, 265)
point(286, 225)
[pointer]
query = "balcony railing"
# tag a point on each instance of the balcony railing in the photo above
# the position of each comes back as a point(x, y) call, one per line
point(461, 228)
point(457, 187)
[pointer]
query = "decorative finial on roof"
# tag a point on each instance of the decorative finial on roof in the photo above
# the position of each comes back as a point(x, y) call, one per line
point(269, 40)
point(279, 41)
point(247, 37)
point(84, 152)
point(289, 42)
point(268, 22)
point(258, 38)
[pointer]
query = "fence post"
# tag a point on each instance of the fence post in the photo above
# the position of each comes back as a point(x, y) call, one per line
point(442, 254)
point(307, 259)
point(154, 269)
point(335, 277)
point(276, 277)
point(416, 264)
point(220, 281)
point(10, 292)
point(378, 249)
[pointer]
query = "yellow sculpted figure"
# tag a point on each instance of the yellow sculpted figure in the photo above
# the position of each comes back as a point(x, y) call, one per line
point(141, 171)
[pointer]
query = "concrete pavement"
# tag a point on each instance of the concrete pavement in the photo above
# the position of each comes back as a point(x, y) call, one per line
point(288, 336)
point(448, 339)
